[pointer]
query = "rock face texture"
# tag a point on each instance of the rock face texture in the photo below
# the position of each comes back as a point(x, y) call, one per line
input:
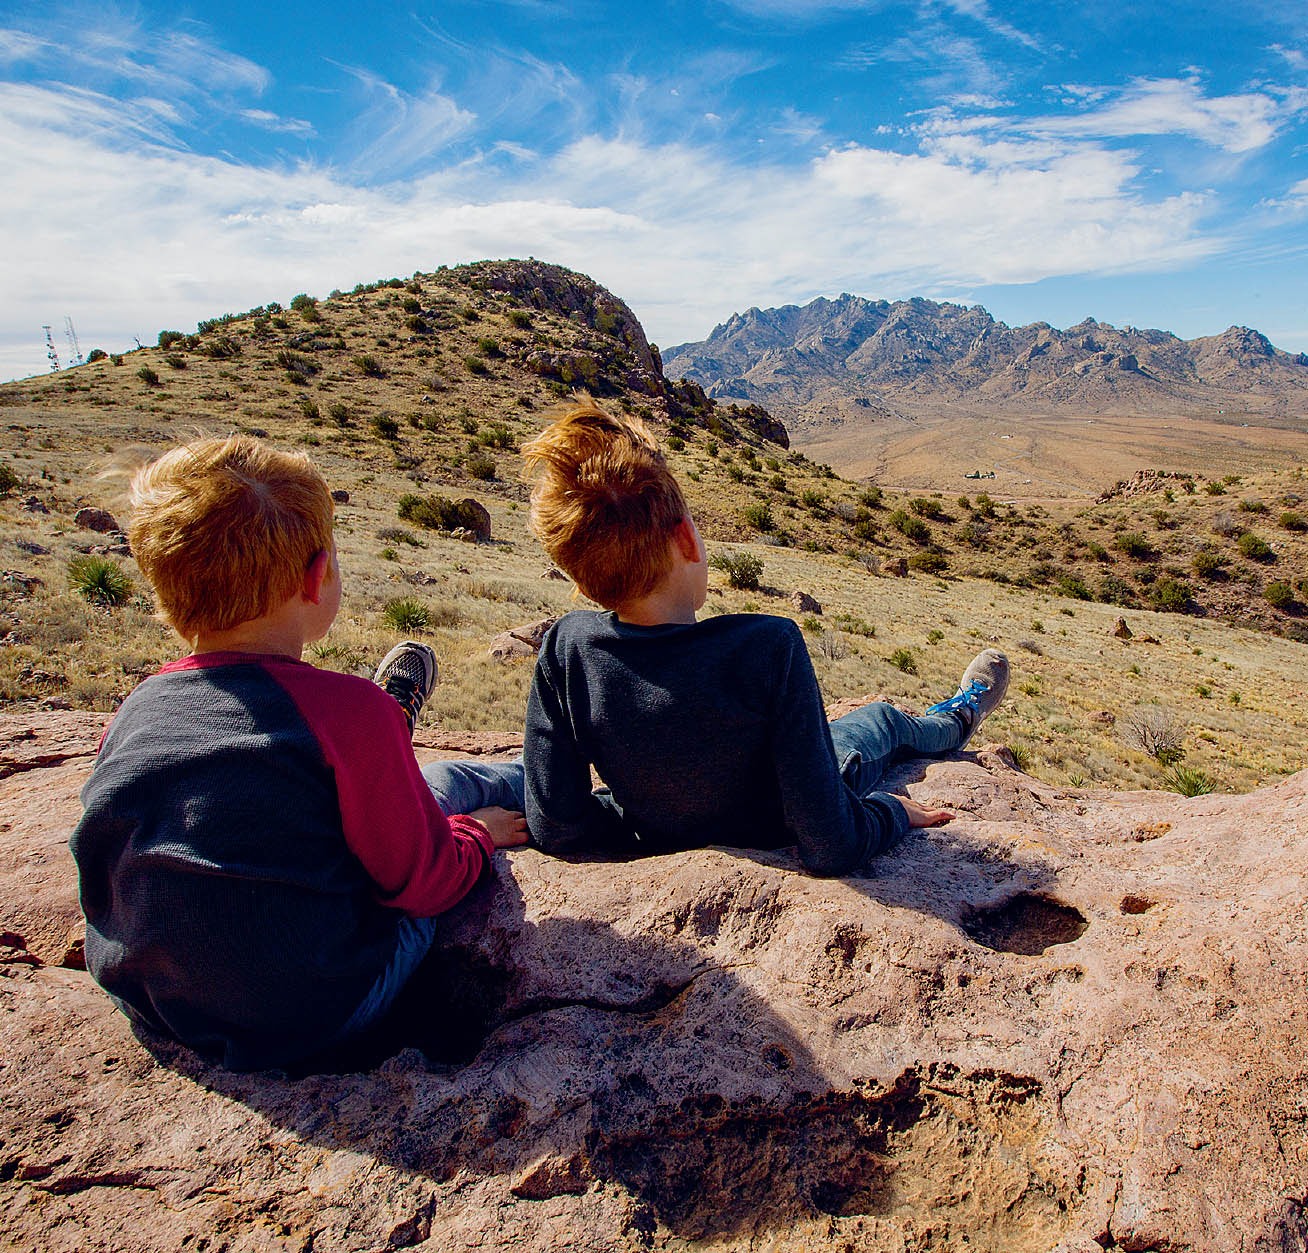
point(802, 361)
point(1067, 1020)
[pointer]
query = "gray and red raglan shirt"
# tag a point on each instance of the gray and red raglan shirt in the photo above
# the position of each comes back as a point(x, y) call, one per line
point(253, 832)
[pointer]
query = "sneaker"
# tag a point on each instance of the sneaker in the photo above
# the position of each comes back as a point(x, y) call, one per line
point(982, 688)
point(408, 672)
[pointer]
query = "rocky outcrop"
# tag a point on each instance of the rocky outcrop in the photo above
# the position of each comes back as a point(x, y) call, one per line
point(1067, 1019)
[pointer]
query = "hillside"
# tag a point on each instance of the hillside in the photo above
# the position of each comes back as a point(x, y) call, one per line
point(409, 390)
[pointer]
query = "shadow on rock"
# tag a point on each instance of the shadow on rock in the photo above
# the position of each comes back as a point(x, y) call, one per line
point(562, 1053)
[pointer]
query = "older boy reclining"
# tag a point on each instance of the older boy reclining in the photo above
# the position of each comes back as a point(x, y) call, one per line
point(704, 732)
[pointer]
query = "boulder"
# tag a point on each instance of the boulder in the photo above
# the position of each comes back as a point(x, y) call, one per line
point(897, 566)
point(34, 504)
point(476, 518)
point(1065, 1020)
point(341, 496)
point(96, 520)
point(1121, 630)
point(553, 572)
point(521, 641)
point(804, 603)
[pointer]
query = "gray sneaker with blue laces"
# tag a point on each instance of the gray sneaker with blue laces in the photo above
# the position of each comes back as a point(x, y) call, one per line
point(982, 688)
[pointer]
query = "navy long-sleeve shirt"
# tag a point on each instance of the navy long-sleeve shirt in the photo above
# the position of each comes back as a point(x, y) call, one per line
point(710, 732)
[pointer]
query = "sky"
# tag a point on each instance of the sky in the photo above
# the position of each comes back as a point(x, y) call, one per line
point(1144, 164)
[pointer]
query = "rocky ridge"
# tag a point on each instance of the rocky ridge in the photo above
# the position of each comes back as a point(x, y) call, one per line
point(835, 357)
point(1069, 1020)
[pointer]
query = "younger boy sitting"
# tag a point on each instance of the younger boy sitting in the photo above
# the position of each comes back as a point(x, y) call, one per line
point(705, 732)
point(260, 857)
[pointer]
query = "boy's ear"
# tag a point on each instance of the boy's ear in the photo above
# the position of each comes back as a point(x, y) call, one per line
point(686, 537)
point(316, 575)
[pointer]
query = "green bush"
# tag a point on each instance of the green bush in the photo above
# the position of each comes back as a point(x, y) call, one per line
point(759, 516)
point(303, 301)
point(385, 426)
point(489, 347)
point(1279, 594)
point(497, 435)
point(406, 614)
point(1074, 586)
point(368, 365)
point(1254, 547)
point(928, 562)
point(474, 365)
point(1170, 595)
point(1133, 544)
point(480, 466)
point(903, 659)
point(100, 580)
point(96, 354)
point(339, 412)
point(1252, 506)
point(8, 480)
point(1289, 520)
point(411, 305)
point(436, 513)
point(519, 318)
point(675, 443)
point(984, 505)
point(1207, 564)
point(925, 507)
point(743, 570)
point(871, 497)
point(1188, 781)
point(168, 338)
point(812, 499)
point(910, 527)
point(148, 376)
point(1114, 591)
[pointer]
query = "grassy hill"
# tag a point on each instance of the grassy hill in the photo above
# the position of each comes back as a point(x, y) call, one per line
point(416, 392)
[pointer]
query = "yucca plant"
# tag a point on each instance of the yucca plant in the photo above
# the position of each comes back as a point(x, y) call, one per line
point(100, 580)
point(1188, 781)
point(406, 614)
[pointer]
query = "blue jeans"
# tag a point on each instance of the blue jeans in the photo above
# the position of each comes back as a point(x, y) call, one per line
point(872, 739)
point(460, 787)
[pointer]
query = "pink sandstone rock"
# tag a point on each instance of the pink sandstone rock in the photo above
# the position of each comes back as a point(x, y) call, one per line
point(1068, 1020)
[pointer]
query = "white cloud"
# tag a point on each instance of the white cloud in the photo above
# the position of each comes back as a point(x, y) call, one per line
point(1170, 106)
point(280, 125)
point(678, 230)
point(18, 45)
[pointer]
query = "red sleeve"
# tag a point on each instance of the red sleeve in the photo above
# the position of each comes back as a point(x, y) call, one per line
point(422, 862)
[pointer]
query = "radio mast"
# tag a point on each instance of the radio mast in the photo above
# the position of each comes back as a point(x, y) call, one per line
point(50, 350)
point(73, 347)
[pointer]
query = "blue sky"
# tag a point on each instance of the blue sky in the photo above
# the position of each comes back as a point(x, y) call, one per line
point(1144, 164)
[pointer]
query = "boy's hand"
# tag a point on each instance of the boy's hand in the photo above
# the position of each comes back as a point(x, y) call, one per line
point(507, 827)
point(921, 816)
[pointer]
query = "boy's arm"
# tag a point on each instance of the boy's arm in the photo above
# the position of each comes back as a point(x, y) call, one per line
point(422, 862)
point(562, 814)
point(836, 830)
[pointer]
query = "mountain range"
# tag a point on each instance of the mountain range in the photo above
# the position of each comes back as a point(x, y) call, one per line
point(826, 361)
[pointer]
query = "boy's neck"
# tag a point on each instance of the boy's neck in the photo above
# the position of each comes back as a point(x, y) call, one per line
point(665, 606)
point(280, 633)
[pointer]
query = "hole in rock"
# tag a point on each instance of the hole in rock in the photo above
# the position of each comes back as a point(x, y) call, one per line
point(1132, 904)
point(1027, 924)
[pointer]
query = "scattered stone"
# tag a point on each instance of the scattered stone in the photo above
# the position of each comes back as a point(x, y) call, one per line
point(23, 583)
point(74, 957)
point(1121, 630)
point(520, 642)
point(898, 566)
point(804, 603)
point(341, 496)
point(33, 504)
point(553, 572)
point(31, 547)
point(96, 520)
point(477, 517)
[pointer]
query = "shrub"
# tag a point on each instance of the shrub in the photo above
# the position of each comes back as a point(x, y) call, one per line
point(435, 513)
point(1133, 544)
point(1188, 781)
point(480, 466)
point(474, 365)
point(339, 412)
point(759, 516)
point(8, 480)
point(871, 497)
point(148, 376)
point(411, 305)
point(168, 338)
point(489, 347)
point(1074, 586)
point(406, 614)
point(1252, 506)
point(1207, 564)
point(1170, 595)
point(743, 570)
point(1214, 489)
point(1157, 731)
point(910, 527)
point(520, 318)
point(925, 507)
point(96, 354)
point(385, 426)
point(1279, 594)
point(497, 435)
point(812, 499)
point(928, 562)
point(1289, 520)
point(303, 301)
point(368, 365)
point(100, 580)
point(903, 659)
point(1225, 523)
point(1254, 547)
point(675, 443)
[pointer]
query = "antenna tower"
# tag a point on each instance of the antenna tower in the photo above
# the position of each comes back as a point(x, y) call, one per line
point(73, 347)
point(50, 350)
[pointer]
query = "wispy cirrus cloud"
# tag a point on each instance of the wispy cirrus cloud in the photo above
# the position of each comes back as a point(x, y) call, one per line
point(279, 125)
